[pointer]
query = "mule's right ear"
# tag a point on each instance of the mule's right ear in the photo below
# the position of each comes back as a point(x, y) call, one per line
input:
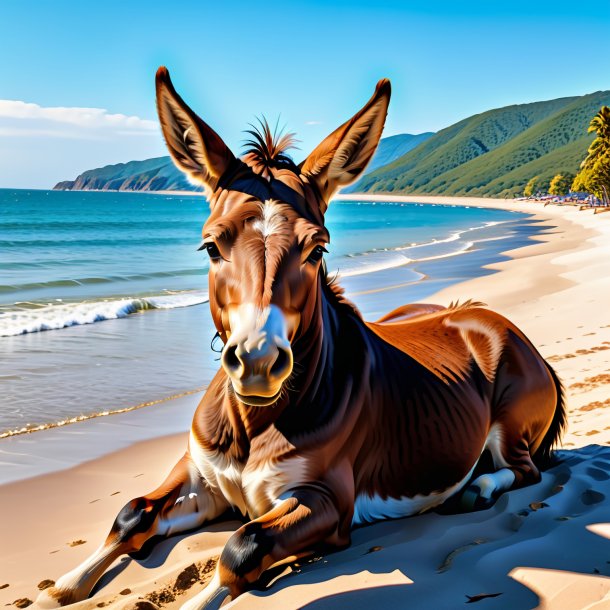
point(340, 158)
point(194, 146)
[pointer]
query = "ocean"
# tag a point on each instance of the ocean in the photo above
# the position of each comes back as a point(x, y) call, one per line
point(103, 295)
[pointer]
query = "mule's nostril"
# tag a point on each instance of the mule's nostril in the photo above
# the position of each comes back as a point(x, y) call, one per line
point(230, 359)
point(281, 363)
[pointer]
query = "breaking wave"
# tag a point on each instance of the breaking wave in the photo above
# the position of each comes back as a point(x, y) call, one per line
point(32, 318)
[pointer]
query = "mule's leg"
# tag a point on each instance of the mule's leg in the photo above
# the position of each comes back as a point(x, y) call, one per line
point(485, 489)
point(182, 502)
point(300, 523)
point(510, 451)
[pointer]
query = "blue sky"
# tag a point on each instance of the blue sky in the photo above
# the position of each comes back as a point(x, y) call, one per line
point(315, 63)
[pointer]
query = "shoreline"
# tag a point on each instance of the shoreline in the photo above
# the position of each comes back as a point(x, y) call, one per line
point(555, 289)
point(476, 240)
point(551, 220)
point(77, 427)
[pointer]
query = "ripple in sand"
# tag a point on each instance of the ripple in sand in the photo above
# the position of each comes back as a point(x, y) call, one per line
point(538, 505)
point(589, 383)
point(477, 598)
point(191, 575)
point(596, 404)
point(141, 604)
point(451, 556)
point(76, 542)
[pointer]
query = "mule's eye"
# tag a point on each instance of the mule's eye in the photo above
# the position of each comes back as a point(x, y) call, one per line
point(212, 250)
point(316, 255)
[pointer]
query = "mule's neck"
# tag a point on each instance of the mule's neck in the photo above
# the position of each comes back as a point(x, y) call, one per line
point(325, 358)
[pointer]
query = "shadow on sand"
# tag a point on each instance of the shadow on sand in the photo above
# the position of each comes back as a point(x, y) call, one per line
point(534, 545)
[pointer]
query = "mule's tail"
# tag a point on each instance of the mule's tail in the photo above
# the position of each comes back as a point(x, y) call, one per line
point(544, 454)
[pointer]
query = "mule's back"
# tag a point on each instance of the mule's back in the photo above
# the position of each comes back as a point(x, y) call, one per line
point(447, 340)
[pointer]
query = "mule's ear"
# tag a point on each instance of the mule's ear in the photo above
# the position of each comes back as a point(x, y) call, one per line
point(194, 146)
point(342, 156)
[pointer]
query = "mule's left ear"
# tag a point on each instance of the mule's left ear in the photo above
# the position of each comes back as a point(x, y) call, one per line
point(194, 146)
point(342, 156)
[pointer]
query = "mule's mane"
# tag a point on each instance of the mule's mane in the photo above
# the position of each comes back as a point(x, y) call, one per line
point(268, 147)
point(335, 293)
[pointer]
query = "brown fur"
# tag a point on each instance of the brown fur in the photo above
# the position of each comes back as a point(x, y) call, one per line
point(374, 420)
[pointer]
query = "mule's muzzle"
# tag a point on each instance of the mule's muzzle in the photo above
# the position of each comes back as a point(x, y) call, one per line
point(258, 368)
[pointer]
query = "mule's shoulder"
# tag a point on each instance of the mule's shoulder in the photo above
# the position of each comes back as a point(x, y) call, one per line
point(446, 339)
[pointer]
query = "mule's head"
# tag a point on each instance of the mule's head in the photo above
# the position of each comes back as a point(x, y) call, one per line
point(265, 235)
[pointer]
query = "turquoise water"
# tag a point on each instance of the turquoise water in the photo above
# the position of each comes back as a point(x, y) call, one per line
point(71, 258)
point(113, 277)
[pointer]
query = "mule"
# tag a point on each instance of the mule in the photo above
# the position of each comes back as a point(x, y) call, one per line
point(318, 421)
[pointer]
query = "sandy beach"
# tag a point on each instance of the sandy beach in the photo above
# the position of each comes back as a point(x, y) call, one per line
point(545, 546)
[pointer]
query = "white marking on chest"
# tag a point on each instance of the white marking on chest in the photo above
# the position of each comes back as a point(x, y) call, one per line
point(252, 491)
point(272, 218)
point(273, 481)
point(221, 473)
point(368, 509)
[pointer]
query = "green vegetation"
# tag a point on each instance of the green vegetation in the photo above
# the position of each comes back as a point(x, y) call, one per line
point(594, 175)
point(495, 153)
point(504, 153)
point(560, 184)
point(531, 187)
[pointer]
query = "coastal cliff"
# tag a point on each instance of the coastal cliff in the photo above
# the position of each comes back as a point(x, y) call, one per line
point(157, 174)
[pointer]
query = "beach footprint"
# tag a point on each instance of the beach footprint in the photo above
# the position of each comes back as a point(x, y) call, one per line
point(590, 497)
point(598, 474)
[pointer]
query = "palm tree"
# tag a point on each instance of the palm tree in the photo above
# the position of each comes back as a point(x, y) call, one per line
point(594, 175)
point(600, 123)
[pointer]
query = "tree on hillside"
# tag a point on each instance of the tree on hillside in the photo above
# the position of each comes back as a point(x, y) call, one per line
point(531, 187)
point(594, 174)
point(560, 184)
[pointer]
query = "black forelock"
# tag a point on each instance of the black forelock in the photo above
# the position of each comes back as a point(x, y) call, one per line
point(242, 178)
point(268, 148)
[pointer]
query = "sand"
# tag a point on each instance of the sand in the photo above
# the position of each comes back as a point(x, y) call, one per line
point(545, 546)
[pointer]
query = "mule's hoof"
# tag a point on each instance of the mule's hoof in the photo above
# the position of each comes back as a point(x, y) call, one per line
point(211, 601)
point(218, 599)
point(472, 500)
point(49, 598)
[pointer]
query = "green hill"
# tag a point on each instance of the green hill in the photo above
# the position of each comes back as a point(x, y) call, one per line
point(394, 147)
point(160, 174)
point(494, 153)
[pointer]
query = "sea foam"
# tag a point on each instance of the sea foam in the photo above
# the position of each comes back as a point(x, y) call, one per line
point(62, 315)
point(389, 258)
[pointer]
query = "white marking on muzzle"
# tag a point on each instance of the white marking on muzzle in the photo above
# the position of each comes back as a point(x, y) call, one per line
point(252, 327)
